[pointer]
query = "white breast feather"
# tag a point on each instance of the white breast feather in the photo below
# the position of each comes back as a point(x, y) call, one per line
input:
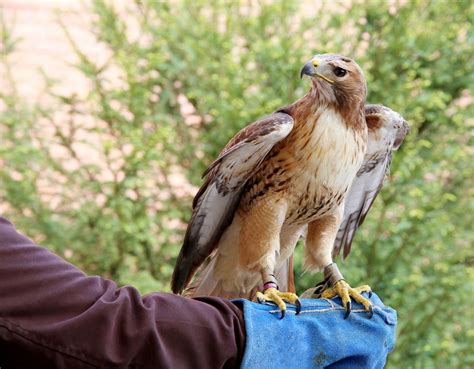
point(338, 157)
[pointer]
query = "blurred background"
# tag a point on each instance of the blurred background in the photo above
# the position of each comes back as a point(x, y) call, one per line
point(111, 110)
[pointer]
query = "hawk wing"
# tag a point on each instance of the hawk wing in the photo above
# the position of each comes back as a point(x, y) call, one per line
point(387, 129)
point(216, 201)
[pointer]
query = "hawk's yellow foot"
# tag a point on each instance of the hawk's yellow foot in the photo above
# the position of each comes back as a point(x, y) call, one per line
point(273, 295)
point(346, 292)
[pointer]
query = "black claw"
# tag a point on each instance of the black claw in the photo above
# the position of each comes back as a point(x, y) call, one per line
point(319, 288)
point(371, 312)
point(260, 300)
point(298, 306)
point(348, 310)
point(370, 294)
point(283, 312)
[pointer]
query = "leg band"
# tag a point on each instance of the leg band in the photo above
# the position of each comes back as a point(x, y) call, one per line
point(332, 274)
point(268, 285)
point(270, 282)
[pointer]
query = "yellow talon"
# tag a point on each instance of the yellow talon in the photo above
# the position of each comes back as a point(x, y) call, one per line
point(279, 298)
point(345, 292)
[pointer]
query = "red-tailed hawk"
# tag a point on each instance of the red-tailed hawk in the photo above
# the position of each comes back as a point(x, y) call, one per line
point(278, 175)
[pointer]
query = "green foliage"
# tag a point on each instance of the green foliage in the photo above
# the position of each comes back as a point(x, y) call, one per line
point(90, 176)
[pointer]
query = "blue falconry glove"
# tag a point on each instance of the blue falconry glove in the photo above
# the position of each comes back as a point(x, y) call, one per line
point(319, 337)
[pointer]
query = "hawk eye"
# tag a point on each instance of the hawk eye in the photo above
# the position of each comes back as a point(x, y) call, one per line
point(339, 72)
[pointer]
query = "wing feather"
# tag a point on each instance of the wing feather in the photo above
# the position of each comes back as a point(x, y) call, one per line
point(216, 201)
point(387, 129)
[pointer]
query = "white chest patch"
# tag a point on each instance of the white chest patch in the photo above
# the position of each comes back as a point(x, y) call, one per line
point(338, 152)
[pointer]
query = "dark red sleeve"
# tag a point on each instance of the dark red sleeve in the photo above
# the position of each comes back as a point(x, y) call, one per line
point(54, 316)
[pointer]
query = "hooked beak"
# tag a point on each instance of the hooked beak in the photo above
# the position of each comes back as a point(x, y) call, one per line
point(311, 69)
point(308, 70)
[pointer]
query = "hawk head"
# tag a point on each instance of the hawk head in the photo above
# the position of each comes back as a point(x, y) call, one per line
point(337, 80)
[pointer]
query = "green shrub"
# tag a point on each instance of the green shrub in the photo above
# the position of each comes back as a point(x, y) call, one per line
point(96, 177)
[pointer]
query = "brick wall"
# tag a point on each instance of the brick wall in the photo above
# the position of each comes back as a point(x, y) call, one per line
point(43, 44)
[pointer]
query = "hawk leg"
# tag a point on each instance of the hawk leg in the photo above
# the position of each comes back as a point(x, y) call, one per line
point(272, 294)
point(335, 285)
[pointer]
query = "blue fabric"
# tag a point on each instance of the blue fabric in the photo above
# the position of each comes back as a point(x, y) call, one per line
point(318, 337)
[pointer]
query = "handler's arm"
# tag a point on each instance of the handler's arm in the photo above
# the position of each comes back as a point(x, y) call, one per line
point(52, 315)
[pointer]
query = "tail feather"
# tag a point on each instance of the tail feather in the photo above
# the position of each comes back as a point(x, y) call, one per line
point(291, 276)
point(285, 277)
point(206, 284)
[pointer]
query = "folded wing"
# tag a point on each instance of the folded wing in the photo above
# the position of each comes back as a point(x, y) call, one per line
point(217, 200)
point(387, 129)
